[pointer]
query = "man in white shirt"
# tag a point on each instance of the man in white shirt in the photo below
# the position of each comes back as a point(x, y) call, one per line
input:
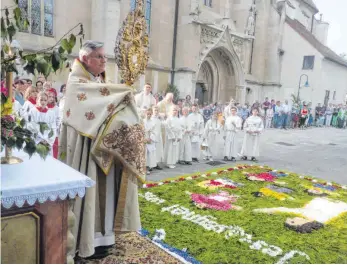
point(286, 114)
point(145, 100)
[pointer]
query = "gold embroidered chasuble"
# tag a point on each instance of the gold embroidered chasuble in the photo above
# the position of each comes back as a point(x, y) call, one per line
point(101, 128)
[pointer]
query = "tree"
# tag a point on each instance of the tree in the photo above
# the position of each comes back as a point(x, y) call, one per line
point(295, 99)
point(44, 61)
point(173, 89)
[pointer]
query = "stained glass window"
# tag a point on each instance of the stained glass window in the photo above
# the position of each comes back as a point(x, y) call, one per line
point(39, 14)
point(36, 17)
point(148, 15)
point(48, 23)
point(132, 5)
point(23, 5)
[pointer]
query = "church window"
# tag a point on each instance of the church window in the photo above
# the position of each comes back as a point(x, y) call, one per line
point(148, 7)
point(40, 16)
point(208, 3)
point(308, 62)
point(132, 5)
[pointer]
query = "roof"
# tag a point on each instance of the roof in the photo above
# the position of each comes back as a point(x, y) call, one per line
point(324, 50)
point(311, 4)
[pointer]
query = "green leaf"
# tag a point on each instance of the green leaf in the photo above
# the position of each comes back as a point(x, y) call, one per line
point(61, 49)
point(6, 12)
point(11, 142)
point(42, 150)
point(30, 147)
point(42, 65)
point(29, 57)
point(62, 156)
point(20, 53)
point(55, 61)
point(11, 31)
point(22, 122)
point(6, 48)
point(17, 16)
point(43, 127)
point(51, 133)
point(19, 143)
point(3, 28)
point(30, 68)
point(12, 68)
point(26, 23)
point(65, 44)
point(72, 41)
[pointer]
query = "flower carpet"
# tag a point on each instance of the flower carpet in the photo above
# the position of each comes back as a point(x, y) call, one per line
point(247, 214)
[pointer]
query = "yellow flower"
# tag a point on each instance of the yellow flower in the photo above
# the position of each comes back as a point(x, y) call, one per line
point(274, 194)
point(6, 109)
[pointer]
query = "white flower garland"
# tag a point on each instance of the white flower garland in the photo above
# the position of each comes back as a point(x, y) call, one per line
point(290, 255)
point(160, 235)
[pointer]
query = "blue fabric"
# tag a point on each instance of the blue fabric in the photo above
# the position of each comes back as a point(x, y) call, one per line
point(178, 252)
point(19, 98)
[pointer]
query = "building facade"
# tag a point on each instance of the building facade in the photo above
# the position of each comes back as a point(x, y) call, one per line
point(212, 50)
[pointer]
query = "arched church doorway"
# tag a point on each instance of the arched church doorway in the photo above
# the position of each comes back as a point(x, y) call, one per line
point(216, 81)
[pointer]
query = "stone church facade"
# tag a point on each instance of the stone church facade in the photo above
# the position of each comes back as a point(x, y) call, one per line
point(214, 50)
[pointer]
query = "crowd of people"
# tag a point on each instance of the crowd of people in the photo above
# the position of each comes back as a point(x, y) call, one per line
point(41, 106)
point(183, 131)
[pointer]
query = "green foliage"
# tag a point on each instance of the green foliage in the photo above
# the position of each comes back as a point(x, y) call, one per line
point(295, 99)
point(43, 61)
point(173, 89)
point(326, 245)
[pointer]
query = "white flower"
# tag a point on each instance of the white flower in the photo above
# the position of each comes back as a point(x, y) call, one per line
point(275, 170)
point(189, 178)
point(314, 180)
point(301, 177)
point(214, 173)
point(160, 183)
point(144, 186)
point(344, 187)
point(225, 170)
point(290, 255)
point(159, 235)
point(329, 183)
point(203, 175)
point(172, 181)
point(261, 167)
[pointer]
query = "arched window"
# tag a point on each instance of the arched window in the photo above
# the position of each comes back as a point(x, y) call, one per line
point(148, 7)
point(40, 16)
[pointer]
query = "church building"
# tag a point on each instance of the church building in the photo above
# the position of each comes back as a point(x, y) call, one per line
point(212, 50)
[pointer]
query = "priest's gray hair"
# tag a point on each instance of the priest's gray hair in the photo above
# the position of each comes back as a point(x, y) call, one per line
point(88, 47)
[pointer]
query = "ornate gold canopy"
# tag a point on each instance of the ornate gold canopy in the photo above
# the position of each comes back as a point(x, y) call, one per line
point(132, 45)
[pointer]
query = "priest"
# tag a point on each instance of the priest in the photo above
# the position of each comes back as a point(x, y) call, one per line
point(102, 137)
point(166, 106)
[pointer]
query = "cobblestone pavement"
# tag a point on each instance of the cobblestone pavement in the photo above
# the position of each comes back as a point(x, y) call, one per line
point(319, 152)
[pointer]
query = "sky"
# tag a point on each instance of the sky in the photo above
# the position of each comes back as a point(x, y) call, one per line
point(334, 12)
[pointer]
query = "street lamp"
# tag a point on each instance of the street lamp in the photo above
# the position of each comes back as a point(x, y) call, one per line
point(306, 85)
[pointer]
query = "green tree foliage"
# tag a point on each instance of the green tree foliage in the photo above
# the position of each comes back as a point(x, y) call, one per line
point(43, 61)
point(173, 89)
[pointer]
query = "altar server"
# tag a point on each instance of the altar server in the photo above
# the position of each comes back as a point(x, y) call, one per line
point(42, 122)
point(173, 137)
point(185, 156)
point(197, 122)
point(52, 106)
point(30, 101)
point(232, 125)
point(253, 127)
point(211, 134)
point(151, 159)
point(158, 134)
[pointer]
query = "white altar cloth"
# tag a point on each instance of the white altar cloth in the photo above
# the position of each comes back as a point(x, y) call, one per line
point(36, 179)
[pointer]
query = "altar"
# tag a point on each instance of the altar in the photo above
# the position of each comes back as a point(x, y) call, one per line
point(35, 213)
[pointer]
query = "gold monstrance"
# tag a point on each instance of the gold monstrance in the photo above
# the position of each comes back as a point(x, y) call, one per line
point(131, 49)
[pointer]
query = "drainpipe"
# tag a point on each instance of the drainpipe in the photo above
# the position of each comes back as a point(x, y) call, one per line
point(174, 44)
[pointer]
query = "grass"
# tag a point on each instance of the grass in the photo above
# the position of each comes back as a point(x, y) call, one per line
point(327, 245)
